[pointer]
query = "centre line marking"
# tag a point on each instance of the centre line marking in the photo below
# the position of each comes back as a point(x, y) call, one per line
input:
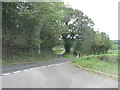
point(43, 66)
point(34, 68)
point(37, 67)
point(6, 74)
point(25, 70)
point(48, 65)
point(17, 72)
point(31, 68)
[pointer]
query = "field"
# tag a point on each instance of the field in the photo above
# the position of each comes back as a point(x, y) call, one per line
point(58, 49)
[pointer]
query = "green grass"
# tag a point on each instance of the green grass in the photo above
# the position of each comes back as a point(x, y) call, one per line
point(22, 59)
point(94, 63)
point(56, 52)
point(112, 52)
point(69, 56)
point(115, 46)
point(58, 49)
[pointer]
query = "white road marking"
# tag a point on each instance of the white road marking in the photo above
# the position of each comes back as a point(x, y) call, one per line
point(36, 67)
point(17, 72)
point(6, 74)
point(25, 70)
point(43, 66)
point(49, 65)
point(32, 69)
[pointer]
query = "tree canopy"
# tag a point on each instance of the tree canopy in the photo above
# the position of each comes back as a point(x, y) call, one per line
point(34, 27)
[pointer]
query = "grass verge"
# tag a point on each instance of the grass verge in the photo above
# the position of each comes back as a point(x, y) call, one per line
point(69, 56)
point(96, 64)
point(27, 58)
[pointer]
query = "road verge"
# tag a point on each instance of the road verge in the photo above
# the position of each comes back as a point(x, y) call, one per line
point(114, 77)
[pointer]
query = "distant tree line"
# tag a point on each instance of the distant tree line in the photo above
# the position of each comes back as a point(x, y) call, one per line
point(38, 27)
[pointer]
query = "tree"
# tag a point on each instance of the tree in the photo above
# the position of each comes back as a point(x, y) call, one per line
point(51, 30)
point(84, 46)
point(75, 23)
point(27, 25)
point(102, 43)
point(31, 27)
point(20, 22)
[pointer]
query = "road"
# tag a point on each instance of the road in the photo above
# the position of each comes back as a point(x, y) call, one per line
point(55, 74)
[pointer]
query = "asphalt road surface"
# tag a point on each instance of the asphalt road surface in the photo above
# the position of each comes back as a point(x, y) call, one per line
point(55, 74)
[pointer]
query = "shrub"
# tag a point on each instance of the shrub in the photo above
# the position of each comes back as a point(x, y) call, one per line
point(104, 57)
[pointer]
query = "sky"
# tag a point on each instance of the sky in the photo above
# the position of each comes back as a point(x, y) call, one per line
point(104, 14)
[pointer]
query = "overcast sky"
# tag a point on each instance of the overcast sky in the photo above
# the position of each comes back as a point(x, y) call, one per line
point(104, 13)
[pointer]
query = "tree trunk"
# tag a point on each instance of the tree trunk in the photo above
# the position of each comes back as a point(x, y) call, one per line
point(67, 48)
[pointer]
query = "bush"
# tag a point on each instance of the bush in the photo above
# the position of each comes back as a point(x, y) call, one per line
point(104, 57)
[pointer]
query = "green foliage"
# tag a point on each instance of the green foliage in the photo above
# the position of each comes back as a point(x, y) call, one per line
point(107, 57)
point(105, 63)
point(92, 43)
point(50, 31)
point(38, 27)
point(115, 46)
point(24, 58)
point(36, 43)
point(31, 26)
point(102, 43)
point(58, 50)
point(84, 46)
point(19, 23)
point(69, 56)
point(98, 43)
point(75, 23)
point(116, 52)
point(111, 56)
